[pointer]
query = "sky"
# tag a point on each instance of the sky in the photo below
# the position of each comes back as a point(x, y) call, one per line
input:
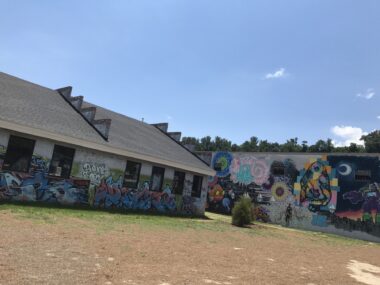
point(271, 69)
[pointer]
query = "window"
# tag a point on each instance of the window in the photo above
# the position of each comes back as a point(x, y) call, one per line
point(132, 174)
point(178, 182)
point(363, 175)
point(61, 161)
point(278, 171)
point(197, 186)
point(19, 154)
point(277, 168)
point(157, 178)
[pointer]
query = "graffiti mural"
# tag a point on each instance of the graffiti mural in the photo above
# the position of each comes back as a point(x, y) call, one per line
point(111, 194)
point(358, 206)
point(317, 187)
point(221, 162)
point(94, 172)
point(248, 169)
point(334, 191)
point(37, 185)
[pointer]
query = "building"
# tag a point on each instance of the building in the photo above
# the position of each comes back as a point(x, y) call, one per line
point(337, 193)
point(56, 148)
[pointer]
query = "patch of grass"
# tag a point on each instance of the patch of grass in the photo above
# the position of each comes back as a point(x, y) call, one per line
point(104, 222)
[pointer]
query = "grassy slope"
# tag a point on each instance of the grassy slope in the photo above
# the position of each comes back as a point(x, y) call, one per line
point(105, 221)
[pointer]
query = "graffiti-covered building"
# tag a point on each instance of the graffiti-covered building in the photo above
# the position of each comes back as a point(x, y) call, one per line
point(337, 193)
point(56, 148)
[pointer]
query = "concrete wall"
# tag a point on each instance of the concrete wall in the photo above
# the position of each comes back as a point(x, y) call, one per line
point(324, 191)
point(96, 180)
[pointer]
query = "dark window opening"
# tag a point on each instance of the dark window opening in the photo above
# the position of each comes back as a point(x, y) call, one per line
point(157, 178)
point(19, 154)
point(61, 161)
point(178, 182)
point(278, 171)
point(363, 175)
point(132, 174)
point(197, 186)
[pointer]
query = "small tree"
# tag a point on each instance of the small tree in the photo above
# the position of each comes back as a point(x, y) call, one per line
point(242, 212)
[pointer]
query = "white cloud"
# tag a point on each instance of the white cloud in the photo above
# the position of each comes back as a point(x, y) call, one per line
point(378, 117)
point(347, 135)
point(169, 118)
point(367, 95)
point(277, 74)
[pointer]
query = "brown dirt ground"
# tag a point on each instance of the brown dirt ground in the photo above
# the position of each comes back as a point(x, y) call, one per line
point(72, 250)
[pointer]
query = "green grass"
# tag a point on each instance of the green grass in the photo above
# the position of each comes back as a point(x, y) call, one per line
point(104, 221)
point(111, 220)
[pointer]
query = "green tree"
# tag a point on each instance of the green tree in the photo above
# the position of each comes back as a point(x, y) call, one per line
point(305, 147)
point(321, 146)
point(372, 141)
point(222, 144)
point(242, 212)
point(206, 144)
point(291, 146)
point(251, 145)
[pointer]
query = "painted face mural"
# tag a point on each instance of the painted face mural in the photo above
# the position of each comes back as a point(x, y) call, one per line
point(317, 186)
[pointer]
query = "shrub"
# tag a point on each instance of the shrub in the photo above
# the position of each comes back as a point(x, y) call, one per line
point(242, 212)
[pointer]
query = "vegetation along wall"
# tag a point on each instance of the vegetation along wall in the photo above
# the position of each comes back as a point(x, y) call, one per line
point(336, 193)
point(38, 170)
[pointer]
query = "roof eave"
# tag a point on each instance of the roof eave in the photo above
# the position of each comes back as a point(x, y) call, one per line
point(100, 147)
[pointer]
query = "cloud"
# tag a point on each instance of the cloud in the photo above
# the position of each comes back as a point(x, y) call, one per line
point(378, 117)
point(367, 95)
point(347, 135)
point(169, 118)
point(277, 74)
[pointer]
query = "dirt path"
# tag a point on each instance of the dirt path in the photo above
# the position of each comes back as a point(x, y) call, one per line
point(75, 251)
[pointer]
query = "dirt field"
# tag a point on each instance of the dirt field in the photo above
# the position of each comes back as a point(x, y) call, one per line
point(63, 246)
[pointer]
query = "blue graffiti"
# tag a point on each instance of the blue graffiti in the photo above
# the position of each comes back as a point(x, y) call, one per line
point(111, 194)
point(38, 187)
point(221, 162)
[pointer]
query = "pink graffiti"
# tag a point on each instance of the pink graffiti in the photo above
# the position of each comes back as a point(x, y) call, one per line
point(258, 169)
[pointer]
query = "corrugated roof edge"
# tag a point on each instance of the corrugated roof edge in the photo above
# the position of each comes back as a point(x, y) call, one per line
point(81, 114)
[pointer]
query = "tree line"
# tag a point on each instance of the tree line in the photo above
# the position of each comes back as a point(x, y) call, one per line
point(371, 144)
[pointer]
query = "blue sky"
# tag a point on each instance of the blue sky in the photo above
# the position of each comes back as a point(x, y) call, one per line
point(272, 69)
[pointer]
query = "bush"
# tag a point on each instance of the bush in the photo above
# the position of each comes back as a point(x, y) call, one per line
point(242, 212)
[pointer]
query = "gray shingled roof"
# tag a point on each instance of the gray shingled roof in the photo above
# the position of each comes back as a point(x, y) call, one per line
point(35, 106)
point(143, 138)
point(38, 107)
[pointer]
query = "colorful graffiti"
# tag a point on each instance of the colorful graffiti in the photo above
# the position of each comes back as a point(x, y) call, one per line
point(369, 197)
point(317, 187)
point(248, 169)
point(38, 186)
point(111, 194)
point(92, 184)
point(221, 163)
point(321, 191)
